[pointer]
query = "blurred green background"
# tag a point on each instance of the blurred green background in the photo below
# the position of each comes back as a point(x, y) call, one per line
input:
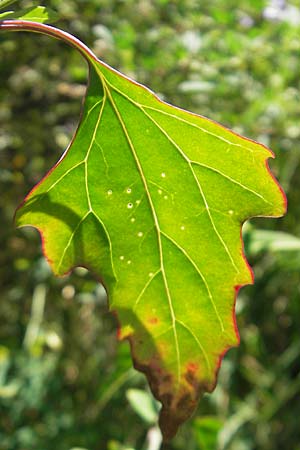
point(65, 382)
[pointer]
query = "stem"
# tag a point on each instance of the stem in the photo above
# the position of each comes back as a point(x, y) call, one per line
point(36, 316)
point(24, 25)
point(154, 438)
point(114, 387)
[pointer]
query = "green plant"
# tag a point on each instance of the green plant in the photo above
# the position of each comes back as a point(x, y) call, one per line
point(129, 102)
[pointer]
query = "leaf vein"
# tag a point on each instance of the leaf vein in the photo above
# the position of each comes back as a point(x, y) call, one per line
point(109, 243)
point(70, 240)
point(141, 106)
point(179, 149)
point(203, 351)
point(89, 151)
point(196, 126)
point(192, 262)
point(230, 179)
point(145, 288)
point(140, 169)
point(63, 175)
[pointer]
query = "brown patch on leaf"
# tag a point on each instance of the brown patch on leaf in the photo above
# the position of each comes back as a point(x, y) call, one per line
point(153, 320)
point(176, 411)
point(192, 367)
point(179, 400)
point(177, 405)
point(191, 377)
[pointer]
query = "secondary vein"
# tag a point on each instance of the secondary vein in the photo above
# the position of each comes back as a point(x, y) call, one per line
point(201, 276)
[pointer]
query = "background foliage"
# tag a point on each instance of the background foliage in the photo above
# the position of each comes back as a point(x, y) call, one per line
point(65, 383)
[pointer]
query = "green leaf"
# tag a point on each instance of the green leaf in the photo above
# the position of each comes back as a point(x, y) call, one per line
point(114, 445)
point(35, 14)
point(6, 3)
point(272, 241)
point(151, 198)
point(143, 404)
point(206, 430)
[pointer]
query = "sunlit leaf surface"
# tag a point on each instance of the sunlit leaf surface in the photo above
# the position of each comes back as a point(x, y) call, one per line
point(151, 198)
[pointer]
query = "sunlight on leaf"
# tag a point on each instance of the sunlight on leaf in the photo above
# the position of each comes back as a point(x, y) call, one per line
point(35, 14)
point(151, 198)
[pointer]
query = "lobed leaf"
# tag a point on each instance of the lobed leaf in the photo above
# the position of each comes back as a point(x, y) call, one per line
point(151, 198)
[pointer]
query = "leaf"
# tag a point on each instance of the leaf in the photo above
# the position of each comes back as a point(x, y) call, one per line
point(206, 430)
point(143, 404)
point(35, 14)
point(6, 3)
point(272, 241)
point(151, 198)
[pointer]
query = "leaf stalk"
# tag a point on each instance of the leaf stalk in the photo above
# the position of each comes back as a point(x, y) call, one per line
point(36, 27)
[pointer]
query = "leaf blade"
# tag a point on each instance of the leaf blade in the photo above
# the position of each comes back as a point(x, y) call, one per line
point(157, 185)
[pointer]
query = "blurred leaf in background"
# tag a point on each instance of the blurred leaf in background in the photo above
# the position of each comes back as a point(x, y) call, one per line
point(34, 14)
point(206, 431)
point(63, 377)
